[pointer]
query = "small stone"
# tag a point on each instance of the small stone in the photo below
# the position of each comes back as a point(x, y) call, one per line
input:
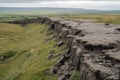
point(101, 63)
point(53, 70)
point(110, 78)
point(62, 77)
point(71, 68)
point(107, 24)
point(50, 56)
point(2, 58)
point(57, 55)
point(60, 43)
point(117, 66)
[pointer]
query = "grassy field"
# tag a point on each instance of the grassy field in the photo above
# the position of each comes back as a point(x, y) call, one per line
point(113, 19)
point(106, 18)
point(25, 52)
point(11, 16)
point(15, 16)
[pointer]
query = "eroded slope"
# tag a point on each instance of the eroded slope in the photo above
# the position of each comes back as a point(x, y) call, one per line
point(93, 48)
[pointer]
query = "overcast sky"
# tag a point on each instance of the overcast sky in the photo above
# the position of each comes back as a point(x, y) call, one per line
point(94, 4)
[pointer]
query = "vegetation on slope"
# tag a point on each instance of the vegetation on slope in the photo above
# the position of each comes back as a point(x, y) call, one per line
point(24, 51)
point(75, 76)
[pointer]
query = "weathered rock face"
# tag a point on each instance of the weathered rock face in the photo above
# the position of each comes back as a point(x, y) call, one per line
point(93, 48)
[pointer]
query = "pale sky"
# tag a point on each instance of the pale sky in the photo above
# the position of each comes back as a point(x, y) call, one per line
point(94, 4)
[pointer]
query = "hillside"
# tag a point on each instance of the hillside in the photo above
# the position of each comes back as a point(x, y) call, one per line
point(32, 51)
point(92, 48)
point(24, 52)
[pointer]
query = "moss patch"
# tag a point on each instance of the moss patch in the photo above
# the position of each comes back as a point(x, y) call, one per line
point(75, 76)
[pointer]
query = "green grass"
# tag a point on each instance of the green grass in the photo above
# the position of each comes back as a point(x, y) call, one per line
point(105, 18)
point(11, 16)
point(75, 76)
point(28, 52)
point(109, 18)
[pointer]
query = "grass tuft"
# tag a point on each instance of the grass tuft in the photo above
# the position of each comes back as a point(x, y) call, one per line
point(75, 76)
